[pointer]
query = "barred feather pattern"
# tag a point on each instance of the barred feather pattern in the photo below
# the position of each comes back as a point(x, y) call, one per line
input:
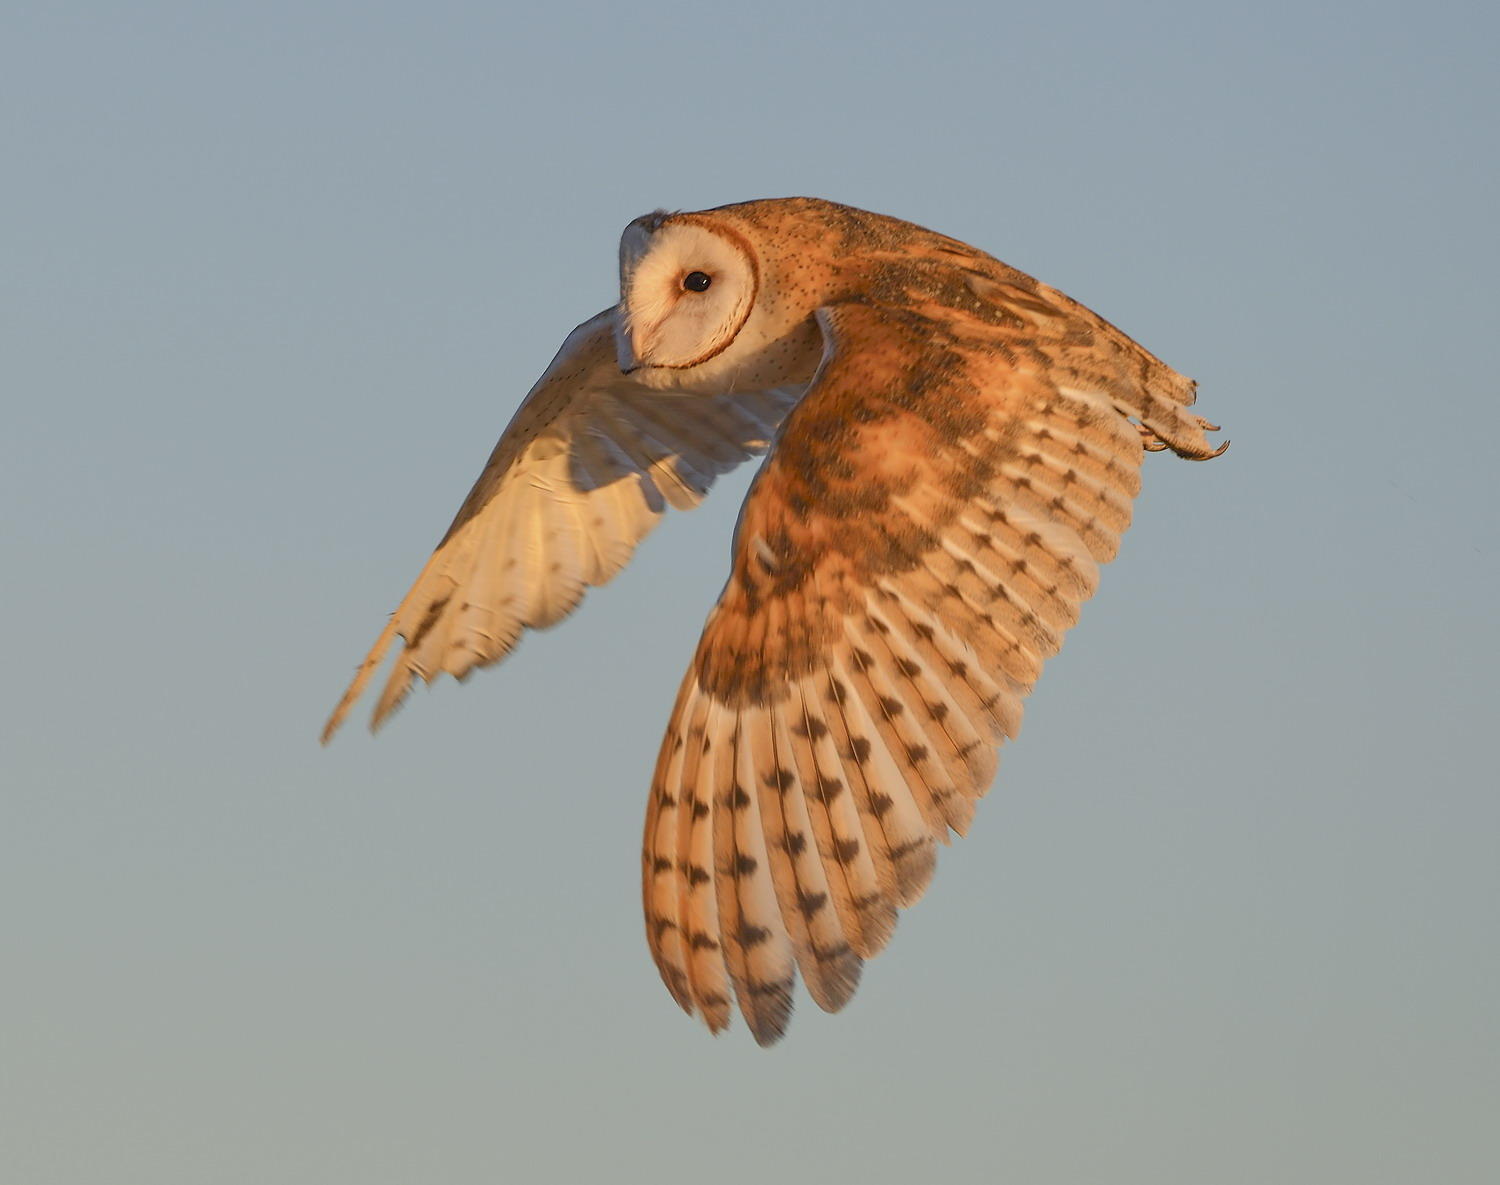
point(917, 544)
point(587, 467)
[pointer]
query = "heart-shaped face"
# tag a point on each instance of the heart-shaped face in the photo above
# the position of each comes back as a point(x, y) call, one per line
point(685, 292)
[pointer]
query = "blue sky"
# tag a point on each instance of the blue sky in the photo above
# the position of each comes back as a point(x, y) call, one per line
point(274, 278)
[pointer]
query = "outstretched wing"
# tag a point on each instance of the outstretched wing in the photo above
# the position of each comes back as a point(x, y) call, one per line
point(923, 533)
point(582, 473)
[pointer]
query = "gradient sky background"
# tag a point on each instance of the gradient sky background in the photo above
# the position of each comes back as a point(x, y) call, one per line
point(275, 276)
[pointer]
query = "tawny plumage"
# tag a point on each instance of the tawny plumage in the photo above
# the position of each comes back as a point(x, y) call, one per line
point(956, 450)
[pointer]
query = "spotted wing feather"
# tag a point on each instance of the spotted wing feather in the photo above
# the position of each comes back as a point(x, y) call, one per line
point(917, 544)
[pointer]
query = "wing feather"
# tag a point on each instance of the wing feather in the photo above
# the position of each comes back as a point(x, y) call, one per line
point(901, 730)
point(584, 471)
point(835, 830)
point(709, 965)
point(663, 859)
point(809, 788)
point(886, 779)
point(944, 716)
point(829, 966)
point(931, 518)
point(758, 947)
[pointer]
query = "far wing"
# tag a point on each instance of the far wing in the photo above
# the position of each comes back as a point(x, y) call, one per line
point(932, 516)
point(583, 472)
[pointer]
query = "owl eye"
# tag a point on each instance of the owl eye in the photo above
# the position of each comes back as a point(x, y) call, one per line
point(697, 281)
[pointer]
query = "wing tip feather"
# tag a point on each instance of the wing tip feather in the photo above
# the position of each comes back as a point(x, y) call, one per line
point(357, 685)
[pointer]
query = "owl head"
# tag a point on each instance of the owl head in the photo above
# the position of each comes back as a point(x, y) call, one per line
point(687, 288)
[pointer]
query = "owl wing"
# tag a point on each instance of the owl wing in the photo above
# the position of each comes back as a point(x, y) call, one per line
point(584, 470)
point(933, 514)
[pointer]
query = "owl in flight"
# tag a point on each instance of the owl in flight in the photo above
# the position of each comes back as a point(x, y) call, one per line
point(953, 451)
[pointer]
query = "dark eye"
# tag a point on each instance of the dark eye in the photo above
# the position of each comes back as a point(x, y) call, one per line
point(697, 281)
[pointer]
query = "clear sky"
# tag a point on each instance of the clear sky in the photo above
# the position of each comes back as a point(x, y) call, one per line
point(275, 275)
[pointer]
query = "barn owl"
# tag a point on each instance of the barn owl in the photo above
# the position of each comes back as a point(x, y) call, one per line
point(953, 449)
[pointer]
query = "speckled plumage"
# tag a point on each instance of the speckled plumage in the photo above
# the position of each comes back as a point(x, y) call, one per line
point(959, 453)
